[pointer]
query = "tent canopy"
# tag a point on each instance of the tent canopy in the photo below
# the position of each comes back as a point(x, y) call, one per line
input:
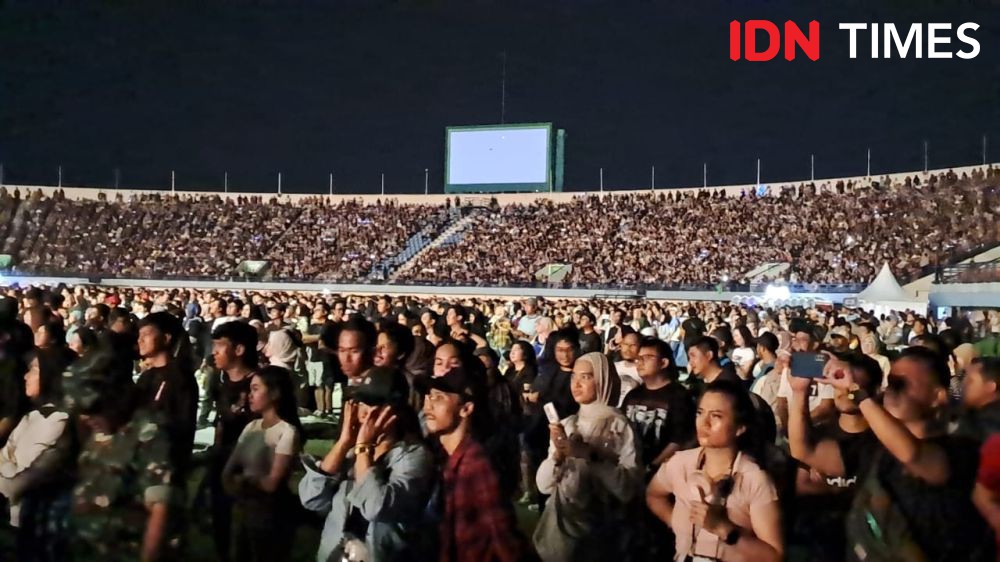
point(885, 293)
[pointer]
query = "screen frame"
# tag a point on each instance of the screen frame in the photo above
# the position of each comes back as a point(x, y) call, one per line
point(545, 186)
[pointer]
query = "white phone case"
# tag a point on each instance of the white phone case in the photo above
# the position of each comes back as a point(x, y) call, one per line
point(550, 412)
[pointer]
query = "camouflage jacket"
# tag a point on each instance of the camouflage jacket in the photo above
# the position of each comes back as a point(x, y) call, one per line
point(119, 475)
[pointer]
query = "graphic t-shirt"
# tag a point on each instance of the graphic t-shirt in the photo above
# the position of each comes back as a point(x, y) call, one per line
point(660, 417)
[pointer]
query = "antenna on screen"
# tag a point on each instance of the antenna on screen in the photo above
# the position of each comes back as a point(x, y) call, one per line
point(503, 85)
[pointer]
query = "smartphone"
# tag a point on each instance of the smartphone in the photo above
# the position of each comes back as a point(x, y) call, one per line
point(808, 365)
point(550, 412)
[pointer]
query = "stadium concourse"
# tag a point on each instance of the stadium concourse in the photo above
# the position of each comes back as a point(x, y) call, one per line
point(211, 420)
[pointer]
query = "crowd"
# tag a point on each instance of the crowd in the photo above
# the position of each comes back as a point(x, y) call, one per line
point(835, 232)
point(635, 430)
point(839, 233)
point(207, 237)
point(342, 243)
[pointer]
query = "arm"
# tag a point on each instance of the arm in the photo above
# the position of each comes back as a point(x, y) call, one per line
point(658, 497)
point(823, 456)
point(923, 459)
point(6, 427)
point(397, 493)
point(153, 462)
point(826, 411)
point(156, 525)
point(988, 504)
point(280, 469)
point(232, 470)
point(767, 545)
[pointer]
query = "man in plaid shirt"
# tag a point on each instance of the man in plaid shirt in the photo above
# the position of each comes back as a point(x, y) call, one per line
point(477, 524)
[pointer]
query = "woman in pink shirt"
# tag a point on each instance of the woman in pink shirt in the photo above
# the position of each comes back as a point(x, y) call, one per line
point(726, 507)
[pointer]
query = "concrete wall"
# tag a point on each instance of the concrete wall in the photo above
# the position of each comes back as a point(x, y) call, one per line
point(414, 290)
point(83, 192)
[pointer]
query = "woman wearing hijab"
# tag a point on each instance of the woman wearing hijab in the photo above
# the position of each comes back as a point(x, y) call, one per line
point(591, 474)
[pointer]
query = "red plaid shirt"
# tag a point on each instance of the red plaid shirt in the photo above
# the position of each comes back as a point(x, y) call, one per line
point(478, 525)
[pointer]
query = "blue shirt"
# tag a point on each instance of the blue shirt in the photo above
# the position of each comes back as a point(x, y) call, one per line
point(391, 498)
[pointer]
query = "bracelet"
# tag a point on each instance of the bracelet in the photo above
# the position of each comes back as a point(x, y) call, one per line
point(363, 449)
point(857, 394)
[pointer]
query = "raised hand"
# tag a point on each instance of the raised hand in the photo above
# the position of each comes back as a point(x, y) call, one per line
point(376, 426)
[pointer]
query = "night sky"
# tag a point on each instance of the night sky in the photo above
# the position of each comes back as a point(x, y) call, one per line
point(359, 88)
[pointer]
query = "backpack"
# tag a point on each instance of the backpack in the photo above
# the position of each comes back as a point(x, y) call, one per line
point(877, 531)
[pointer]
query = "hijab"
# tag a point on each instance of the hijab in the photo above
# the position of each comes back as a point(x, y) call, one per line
point(282, 350)
point(607, 385)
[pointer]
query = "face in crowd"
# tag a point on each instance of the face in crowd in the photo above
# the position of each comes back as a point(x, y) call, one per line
point(351, 353)
point(630, 347)
point(582, 384)
point(716, 423)
point(446, 358)
point(444, 412)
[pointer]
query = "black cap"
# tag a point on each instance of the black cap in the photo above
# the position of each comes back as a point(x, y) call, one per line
point(381, 385)
point(455, 381)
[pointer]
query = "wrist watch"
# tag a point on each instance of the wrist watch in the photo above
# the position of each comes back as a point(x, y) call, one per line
point(732, 537)
point(362, 449)
point(857, 394)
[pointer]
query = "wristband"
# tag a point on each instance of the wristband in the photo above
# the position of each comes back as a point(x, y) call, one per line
point(857, 394)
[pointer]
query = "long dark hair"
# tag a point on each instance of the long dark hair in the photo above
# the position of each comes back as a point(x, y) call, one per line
point(280, 380)
point(530, 359)
point(745, 414)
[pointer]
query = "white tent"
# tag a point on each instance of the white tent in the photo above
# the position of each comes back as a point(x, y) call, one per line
point(885, 295)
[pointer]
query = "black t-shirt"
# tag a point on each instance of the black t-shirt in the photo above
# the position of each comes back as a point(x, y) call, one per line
point(820, 518)
point(172, 396)
point(694, 328)
point(942, 519)
point(233, 409)
point(314, 353)
point(591, 342)
point(660, 417)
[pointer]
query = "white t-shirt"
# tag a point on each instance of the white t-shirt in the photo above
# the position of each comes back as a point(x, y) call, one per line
point(817, 392)
point(528, 325)
point(629, 374)
point(257, 446)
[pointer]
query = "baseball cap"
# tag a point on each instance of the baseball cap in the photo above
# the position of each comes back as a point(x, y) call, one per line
point(381, 385)
point(455, 381)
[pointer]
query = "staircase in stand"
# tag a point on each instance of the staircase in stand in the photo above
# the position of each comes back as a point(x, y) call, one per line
point(448, 236)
